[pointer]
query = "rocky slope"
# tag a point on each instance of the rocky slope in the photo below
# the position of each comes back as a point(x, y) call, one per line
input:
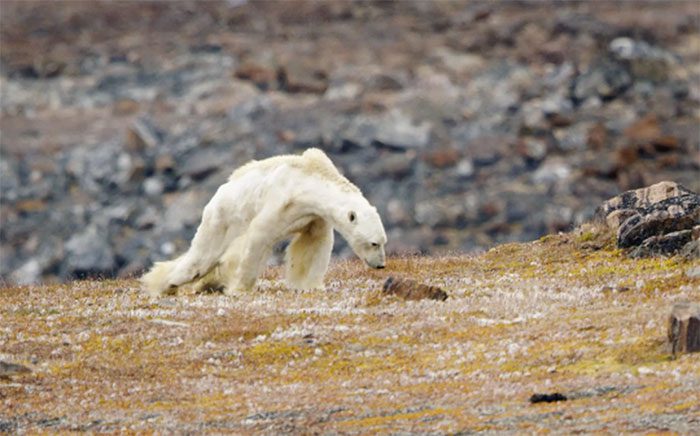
point(467, 124)
point(549, 317)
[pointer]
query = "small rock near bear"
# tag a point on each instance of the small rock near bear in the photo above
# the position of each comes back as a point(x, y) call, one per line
point(304, 197)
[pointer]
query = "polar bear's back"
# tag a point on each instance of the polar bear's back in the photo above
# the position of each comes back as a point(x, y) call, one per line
point(313, 162)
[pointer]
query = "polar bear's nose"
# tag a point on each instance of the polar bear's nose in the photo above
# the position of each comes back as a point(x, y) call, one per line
point(380, 266)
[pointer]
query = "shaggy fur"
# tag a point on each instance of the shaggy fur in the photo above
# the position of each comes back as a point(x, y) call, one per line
point(304, 197)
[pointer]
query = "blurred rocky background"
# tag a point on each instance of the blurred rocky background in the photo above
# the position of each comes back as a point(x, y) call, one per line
point(467, 123)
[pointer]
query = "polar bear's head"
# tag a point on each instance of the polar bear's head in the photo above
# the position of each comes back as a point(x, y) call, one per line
point(362, 227)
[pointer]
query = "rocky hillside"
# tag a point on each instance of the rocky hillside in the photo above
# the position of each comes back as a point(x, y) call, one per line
point(567, 317)
point(467, 123)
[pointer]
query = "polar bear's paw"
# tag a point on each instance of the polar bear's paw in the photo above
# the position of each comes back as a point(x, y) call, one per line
point(305, 284)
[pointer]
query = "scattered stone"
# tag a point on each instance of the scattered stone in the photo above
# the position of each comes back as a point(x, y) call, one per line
point(412, 290)
point(8, 369)
point(262, 76)
point(605, 79)
point(684, 328)
point(297, 76)
point(547, 398)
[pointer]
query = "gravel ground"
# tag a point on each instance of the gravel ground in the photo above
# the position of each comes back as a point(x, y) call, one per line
point(544, 317)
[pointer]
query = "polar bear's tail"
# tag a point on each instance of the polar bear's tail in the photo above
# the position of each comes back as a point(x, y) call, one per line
point(155, 281)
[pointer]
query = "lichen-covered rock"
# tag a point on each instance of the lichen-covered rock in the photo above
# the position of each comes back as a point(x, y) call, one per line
point(639, 199)
point(670, 215)
point(657, 220)
point(662, 244)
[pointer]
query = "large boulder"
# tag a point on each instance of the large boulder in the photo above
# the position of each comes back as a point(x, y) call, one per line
point(656, 220)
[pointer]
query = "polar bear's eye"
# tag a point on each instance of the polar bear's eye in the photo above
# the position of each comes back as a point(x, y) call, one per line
point(351, 216)
point(374, 244)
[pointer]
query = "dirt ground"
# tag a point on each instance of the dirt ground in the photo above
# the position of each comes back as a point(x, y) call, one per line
point(546, 317)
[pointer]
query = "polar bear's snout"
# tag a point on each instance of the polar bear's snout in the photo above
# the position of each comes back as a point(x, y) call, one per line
point(374, 257)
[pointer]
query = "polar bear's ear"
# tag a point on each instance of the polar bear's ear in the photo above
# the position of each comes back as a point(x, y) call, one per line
point(352, 217)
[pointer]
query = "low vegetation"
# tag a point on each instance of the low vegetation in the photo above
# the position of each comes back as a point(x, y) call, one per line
point(568, 314)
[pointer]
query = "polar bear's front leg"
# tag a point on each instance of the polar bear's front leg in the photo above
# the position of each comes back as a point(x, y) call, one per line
point(308, 256)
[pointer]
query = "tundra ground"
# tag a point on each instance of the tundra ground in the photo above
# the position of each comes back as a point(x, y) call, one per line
point(562, 314)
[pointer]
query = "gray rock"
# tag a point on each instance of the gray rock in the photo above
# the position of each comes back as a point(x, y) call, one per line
point(396, 129)
point(202, 162)
point(691, 250)
point(644, 60)
point(360, 132)
point(29, 273)
point(464, 168)
point(9, 177)
point(605, 79)
point(89, 253)
point(96, 168)
point(693, 272)
point(552, 171)
point(393, 130)
point(572, 138)
point(185, 210)
point(153, 186)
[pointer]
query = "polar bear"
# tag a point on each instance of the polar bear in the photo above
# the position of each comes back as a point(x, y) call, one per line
point(262, 203)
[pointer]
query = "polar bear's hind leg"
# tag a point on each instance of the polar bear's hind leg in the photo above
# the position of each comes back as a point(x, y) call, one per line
point(207, 246)
point(155, 281)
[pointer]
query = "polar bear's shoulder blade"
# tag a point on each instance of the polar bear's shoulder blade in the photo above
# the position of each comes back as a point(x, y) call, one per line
point(317, 163)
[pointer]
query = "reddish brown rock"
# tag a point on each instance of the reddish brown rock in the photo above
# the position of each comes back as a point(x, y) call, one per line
point(126, 106)
point(260, 75)
point(644, 131)
point(412, 290)
point(684, 328)
point(443, 157)
point(598, 137)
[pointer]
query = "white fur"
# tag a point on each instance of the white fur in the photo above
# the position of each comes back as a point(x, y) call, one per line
point(263, 203)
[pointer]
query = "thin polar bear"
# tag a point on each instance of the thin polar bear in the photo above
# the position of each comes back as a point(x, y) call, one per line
point(267, 201)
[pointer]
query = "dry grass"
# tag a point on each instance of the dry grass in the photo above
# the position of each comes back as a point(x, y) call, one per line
point(563, 314)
